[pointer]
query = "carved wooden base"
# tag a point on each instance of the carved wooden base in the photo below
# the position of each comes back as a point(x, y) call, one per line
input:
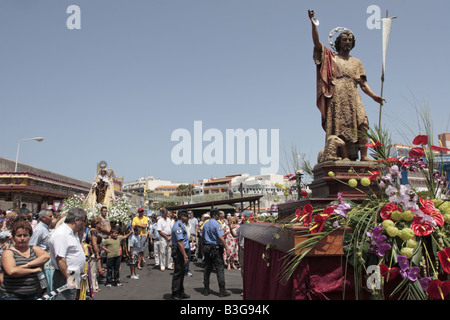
point(324, 186)
point(289, 238)
point(325, 189)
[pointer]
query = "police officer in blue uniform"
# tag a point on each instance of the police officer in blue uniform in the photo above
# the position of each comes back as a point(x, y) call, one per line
point(180, 247)
point(213, 246)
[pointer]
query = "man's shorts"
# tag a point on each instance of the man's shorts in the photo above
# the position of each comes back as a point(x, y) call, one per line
point(133, 259)
point(143, 240)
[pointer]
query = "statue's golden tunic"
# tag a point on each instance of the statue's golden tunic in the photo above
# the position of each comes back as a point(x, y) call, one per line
point(338, 97)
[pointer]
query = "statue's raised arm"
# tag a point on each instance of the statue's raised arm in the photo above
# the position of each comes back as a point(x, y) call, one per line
point(315, 32)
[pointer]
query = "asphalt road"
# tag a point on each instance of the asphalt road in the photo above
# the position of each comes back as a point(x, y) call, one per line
point(154, 284)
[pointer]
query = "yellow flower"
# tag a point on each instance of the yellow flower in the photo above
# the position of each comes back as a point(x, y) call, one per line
point(411, 243)
point(408, 252)
point(392, 231)
point(407, 215)
point(396, 215)
point(365, 182)
point(406, 234)
point(388, 223)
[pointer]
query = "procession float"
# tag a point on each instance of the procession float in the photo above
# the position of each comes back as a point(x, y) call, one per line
point(364, 232)
point(105, 191)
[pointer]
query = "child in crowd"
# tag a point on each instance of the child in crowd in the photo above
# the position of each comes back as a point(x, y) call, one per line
point(135, 246)
point(5, 236)
point(112, 247)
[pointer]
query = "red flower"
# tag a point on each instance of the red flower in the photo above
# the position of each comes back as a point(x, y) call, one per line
point(444, 258)
point(429, 209)
point(387, 210)
point(319, 219)
point(392, 160)
point(421, 227)
point(416, 152)
point(389, 273)
point(420, 139)
point(304, 194)
point(438, 289)
point(374, 145)
point(293, 178)
point(327, 211)
point(436, 148)
point(288, 175)
point(374, 175)
point(298, 214)
point(306, 214)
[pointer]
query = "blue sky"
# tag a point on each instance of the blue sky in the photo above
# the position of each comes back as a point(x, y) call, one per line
point(117, 88)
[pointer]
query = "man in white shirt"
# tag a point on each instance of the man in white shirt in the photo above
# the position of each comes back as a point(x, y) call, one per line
point(164, 228)
point(67, 253)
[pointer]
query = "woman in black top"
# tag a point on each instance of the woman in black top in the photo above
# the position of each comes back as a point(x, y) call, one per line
point(22, 264)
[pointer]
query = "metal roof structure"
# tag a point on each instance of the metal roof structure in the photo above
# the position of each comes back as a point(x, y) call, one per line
point(212, 204)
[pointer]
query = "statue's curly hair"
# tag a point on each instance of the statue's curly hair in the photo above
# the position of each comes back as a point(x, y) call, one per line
point(338, 40)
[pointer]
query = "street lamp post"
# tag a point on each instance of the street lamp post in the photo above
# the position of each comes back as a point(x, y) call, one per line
point(39, 139)
point(299, 174)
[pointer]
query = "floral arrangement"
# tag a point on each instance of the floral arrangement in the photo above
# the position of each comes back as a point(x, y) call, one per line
point(78, 200)
point(397, 238)
point(119, 211)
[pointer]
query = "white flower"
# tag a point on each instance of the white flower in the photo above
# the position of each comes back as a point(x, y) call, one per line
point(394, 169)
point(391, 190)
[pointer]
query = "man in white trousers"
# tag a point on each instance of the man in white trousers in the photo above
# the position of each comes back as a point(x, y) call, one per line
point(165, 244)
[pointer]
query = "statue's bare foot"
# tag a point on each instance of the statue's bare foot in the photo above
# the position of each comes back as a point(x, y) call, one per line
point(345, 159)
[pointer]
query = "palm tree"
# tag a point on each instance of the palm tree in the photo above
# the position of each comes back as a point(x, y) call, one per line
point(185, 190)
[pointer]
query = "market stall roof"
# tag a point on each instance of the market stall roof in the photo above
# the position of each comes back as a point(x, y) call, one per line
point(215, 203)
point(220, 207)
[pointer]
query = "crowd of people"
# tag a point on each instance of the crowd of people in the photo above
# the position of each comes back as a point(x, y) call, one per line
point(45, 255)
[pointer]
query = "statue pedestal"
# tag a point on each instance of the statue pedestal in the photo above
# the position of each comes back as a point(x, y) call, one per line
point(325, 188)
point(322, 273)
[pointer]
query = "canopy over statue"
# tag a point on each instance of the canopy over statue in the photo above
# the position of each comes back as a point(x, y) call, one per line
point(102, 189)
point(338, 98)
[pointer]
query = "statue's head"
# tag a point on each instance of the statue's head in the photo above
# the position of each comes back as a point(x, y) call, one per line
point(344, 36)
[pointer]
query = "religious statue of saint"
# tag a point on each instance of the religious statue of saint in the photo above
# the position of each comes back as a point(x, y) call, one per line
point(102, 190)
point(338, 99)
